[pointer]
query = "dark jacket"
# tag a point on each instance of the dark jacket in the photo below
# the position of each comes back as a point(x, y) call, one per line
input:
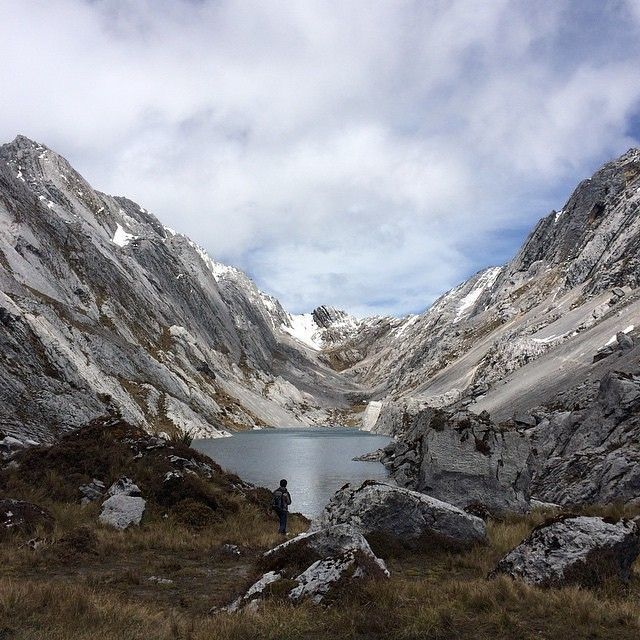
point(281, 496)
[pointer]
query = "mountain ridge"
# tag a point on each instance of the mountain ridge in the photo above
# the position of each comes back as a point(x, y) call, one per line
point(113, 303)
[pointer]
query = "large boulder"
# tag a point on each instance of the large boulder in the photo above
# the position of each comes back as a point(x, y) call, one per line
point(463, 459)
point(125, 506)
point(312, 566)
point(574, 550)
point(382, 508)
point(317, 544)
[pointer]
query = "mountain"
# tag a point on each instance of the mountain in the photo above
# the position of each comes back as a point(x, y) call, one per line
point(103, 308)
point(512, 336)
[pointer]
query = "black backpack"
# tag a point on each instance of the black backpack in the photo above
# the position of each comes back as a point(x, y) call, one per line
point(278, 500)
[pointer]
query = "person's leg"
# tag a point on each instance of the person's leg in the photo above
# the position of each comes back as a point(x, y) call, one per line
point(282, 514)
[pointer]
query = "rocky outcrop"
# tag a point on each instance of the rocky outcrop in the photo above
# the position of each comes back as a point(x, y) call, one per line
point(591, 455)
point(382, 508)
point(122, 511)
point(92, 491)
point(462, 459)
point(622, 342)
point(574, 550)
point(10, 445)
point(125, 506)
point(313, 566)
point(19, 516)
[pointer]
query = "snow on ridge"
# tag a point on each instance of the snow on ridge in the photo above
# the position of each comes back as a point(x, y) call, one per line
point(217, 268)
point(304, 329)
point(558, 214)
point(121, 237)
point(485, 281)
point(410, 320)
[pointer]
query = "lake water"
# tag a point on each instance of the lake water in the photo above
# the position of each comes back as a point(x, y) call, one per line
point(316, 462)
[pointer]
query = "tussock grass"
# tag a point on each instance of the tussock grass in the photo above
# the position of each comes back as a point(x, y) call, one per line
point(433, 593)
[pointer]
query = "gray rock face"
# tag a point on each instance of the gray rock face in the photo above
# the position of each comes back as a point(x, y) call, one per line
point(124, 486)
point(122, 511)
point(462, 459)
point(322, 576)
point(581, 550)
point(381, 508)
point(591, 455)
point(336, 555)
point(105, 310)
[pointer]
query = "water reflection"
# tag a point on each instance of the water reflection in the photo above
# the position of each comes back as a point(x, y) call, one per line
point(316, 462)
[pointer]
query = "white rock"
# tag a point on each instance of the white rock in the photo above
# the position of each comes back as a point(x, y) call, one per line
point(122, 511)
point(581, 550)
point(379, 507)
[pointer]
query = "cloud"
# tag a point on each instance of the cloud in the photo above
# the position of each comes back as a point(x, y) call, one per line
point(366, 154)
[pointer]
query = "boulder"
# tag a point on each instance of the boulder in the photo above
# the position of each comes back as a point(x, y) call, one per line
point(318, 544)
point(463, 458)
point(624, 341)
point(574, 550)
point(312, 566)
point(255, 593)
point(469, 463)
point(122, 511)
point(23, 517)
point(323, 576)
point(382, 508)
point(10, 445)
point(92, 491)
point(124, 486)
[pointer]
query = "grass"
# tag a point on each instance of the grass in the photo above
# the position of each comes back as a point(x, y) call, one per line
point(104, 591)
point(162, 579)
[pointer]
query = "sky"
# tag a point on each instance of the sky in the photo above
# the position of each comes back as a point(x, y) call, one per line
point(364, 154)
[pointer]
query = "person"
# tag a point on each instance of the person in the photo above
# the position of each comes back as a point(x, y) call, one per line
point(281, 502)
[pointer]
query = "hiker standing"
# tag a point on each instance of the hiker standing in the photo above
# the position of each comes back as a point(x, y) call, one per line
point(281, 502)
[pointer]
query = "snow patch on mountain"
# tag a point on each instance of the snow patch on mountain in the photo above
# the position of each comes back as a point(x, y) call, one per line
point(485, 281)
point(304, 329)
point(122, 238)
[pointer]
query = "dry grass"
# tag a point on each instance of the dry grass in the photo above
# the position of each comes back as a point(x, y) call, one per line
point(56, 593)
point(160, 580)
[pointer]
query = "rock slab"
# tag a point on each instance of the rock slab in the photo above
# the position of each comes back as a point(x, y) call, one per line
point(574, 550)
point(382, 508)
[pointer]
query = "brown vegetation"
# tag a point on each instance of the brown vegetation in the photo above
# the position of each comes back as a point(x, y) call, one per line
point(82, 580)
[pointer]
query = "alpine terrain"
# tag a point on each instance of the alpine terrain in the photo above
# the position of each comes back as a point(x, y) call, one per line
point(512, 406)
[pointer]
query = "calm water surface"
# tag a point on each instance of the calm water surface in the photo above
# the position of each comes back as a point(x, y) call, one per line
point(316, 462)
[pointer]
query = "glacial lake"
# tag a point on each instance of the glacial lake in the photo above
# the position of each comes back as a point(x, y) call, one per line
point(316, 462)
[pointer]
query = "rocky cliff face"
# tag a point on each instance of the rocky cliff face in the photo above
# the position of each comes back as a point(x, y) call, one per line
point(510, 336)
point(102, 308)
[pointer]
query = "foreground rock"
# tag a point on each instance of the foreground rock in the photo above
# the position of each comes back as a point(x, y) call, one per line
point(122, 511)
point(592, 454)
point(334, 557)
point(23, 517)
point(381, 508)
point(462, 459)
point(125, 505)
point(574, 550)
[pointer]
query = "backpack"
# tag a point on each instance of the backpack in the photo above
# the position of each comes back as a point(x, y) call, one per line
point(278, 500)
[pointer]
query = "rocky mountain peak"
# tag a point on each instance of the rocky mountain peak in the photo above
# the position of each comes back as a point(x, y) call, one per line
point(325, 316)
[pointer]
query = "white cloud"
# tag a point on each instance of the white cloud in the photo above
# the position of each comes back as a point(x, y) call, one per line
point(362, 154)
